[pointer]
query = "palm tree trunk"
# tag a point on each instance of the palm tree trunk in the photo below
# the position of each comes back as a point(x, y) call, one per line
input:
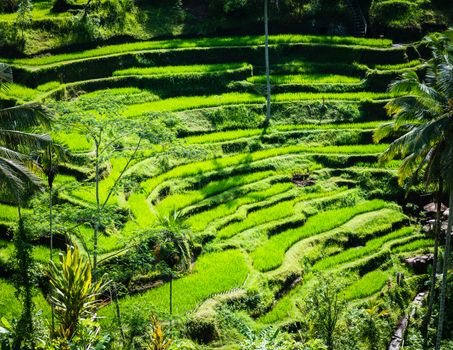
point(51, 252)
point(171, 294)
point(432, 289)
point(443, 289)
point(98, 208)
point(266, 55)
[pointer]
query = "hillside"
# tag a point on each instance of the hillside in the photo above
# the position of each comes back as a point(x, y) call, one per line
point(273, 209)
point(47, 25)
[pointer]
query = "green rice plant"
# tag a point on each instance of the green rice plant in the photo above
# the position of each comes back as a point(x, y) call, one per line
point(192, 102)
point(420, 244)
point(142, 212)
point(8, 213)
point(195, 102)
point(19, 93)
point(410, 64)
point(336, 96)
point(366, 286)
point(270, 255)
point(51, 85)
point(245, 133)
point(355, 253)
point(199, 222)
point(181, 200)
point(191, 43)
point(213, 273)
point(306, 79)
point(123, 96)
point(339, 126)
point(74, 141)
point(307, 67)
point(256, 218)
point(275, 212)
point(10, 306)
point(243, 159)
point(171, 70)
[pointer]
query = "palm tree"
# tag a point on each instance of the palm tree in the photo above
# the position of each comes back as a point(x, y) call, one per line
point(424, 115)
point(50, 159)
point(174, 245)
point(16, 165)
point(18, 180)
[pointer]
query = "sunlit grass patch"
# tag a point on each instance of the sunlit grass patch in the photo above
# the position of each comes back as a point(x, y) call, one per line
point(181, 200)
point(245, 133)
point(213, 273)
point(242, 159)
point(367, 285)
point(193, 102)
point(370, 247)
point(306, 79)
point(270, 255)
point(200, 221)
point(246, 40)
point(421, 244)
point(10, 306)
point(171, 70)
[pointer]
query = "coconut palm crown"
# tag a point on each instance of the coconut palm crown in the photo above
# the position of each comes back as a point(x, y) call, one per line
point(17, 141)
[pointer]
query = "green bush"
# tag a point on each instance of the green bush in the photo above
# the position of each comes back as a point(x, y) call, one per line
point(202, 329)
point(404, 19)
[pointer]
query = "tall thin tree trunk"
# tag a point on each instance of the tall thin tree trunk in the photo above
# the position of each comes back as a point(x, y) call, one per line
point(24, 325)
point(51, 251)
point(114, 298)
point(98, 208)
point(443, 289)
point(432, 289)
point(266, 54)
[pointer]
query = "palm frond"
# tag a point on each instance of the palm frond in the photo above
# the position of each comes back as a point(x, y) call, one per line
point(17, 178)
point(18, 140)
point(25, 116)
point(6, 74)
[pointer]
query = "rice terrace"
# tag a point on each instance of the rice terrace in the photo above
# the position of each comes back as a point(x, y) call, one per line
point(226, 174)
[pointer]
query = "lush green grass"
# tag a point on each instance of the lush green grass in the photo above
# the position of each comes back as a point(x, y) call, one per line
point(368, 285)
point(336, 96)
point(200, 221)
point(306, 79)
point(414, 246)
point(123, 96)
point(205, 42)
point(213, 273)
point(181, 200)
point(18, 92)
point(270, 255)
point(74, 141)
point(10, 306)
point(256, 218)
point(9, 213)
point(410, 64)
point(245, 133)
point(172, 70)
point(244, 159)
point(193, 102)
point(51, 85)
point(41, 10)
point(369, 248)
point(275, 212)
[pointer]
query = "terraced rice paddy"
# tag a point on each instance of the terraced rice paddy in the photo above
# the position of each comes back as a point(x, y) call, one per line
point(239, 187)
